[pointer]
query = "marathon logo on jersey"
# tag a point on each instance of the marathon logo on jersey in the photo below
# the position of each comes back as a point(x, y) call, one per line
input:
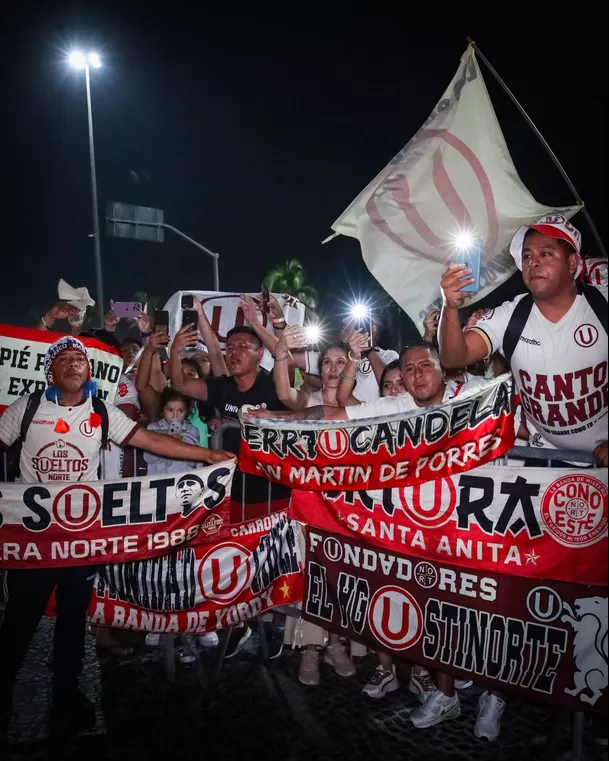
point(568, 403)
point(543, 640)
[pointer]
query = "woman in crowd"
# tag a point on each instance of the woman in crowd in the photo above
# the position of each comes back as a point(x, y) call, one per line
point(299, 633)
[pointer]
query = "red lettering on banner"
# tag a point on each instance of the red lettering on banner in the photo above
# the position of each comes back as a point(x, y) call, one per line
point(395, 618)
point(574, 510)
point(225, 572)
point(76, 507)
point(431, 512)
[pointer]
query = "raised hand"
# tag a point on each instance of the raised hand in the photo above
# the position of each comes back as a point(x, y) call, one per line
point(185, 337)
point(358, 341)
point(430, 325)
point(144, 321)
point(455, 278)
point(110, 321)
point(250, 309)
point(295, 337)
point(157, 341)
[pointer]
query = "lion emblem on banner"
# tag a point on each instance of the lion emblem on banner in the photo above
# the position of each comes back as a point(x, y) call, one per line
point(589, 622)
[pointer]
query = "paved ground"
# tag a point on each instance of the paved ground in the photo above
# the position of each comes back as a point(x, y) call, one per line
point(257, 711)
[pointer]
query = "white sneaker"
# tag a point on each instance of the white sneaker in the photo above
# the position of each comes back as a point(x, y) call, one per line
point(436, 709)
point(463, 684)
point(381, 683)
point(490, 711)
point(208, 640)
point(309, 668)
point(337, 657)
point(422, 685)
point(152, 639)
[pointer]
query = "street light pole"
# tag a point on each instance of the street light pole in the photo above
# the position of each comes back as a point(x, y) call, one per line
point(80, 61)
point(96, 234)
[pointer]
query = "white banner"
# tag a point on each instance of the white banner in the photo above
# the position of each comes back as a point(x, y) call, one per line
point(223, 312)
point(22, 353)
point(455, 175)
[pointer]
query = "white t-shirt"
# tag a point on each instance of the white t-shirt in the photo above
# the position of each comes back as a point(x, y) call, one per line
point(391, 405)
point(47, 456)
point(560, 371)
point(367, 387)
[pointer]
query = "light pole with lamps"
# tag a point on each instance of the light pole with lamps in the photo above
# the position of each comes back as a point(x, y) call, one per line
point(81, 61)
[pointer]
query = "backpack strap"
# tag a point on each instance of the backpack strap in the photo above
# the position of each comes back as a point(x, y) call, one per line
point(597, 302)
point(31, 408)
point(515, 326)
point(102, 411)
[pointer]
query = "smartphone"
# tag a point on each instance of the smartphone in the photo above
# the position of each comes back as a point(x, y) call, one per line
point(265, 299)
point(188, 301)
point(161, 321)
point(190, 317)
point(471, 258)
point(128, 310)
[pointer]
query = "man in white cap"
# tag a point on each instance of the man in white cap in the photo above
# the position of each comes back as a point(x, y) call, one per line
point(554, 338)
point(61, 432)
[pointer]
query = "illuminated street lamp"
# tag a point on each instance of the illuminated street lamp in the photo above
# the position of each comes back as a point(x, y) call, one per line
point(87, 61)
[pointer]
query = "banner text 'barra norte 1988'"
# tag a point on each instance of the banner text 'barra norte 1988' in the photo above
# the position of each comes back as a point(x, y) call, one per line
point(45, 525)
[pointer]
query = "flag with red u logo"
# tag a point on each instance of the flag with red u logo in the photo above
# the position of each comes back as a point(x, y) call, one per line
point(454, 177)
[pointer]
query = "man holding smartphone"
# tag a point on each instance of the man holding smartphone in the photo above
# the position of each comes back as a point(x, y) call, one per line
point(554, 338)
point(244, 383)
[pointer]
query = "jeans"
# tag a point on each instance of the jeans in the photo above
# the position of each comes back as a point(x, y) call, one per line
point(29, 591)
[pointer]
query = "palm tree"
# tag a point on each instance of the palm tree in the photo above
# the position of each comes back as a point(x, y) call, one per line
point(290, 278)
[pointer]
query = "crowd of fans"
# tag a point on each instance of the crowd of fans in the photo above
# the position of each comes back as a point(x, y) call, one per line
point(185, 388)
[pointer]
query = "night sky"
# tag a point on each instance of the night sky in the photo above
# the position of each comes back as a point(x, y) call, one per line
point(254, 133)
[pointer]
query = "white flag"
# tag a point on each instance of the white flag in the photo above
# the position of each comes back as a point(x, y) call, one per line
point(455, 175)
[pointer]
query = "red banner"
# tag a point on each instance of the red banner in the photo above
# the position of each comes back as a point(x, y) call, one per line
point(534, 522)
point(545, 640)
point(398, 450)
point(52, 524)
point(203, 589)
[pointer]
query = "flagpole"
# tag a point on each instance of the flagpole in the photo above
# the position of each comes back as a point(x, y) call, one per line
point(543, 141)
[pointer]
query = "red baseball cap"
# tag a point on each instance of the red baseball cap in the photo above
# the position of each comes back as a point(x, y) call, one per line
point(554, 226)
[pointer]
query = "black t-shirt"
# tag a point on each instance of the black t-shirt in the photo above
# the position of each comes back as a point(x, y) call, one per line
point(226, 397)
